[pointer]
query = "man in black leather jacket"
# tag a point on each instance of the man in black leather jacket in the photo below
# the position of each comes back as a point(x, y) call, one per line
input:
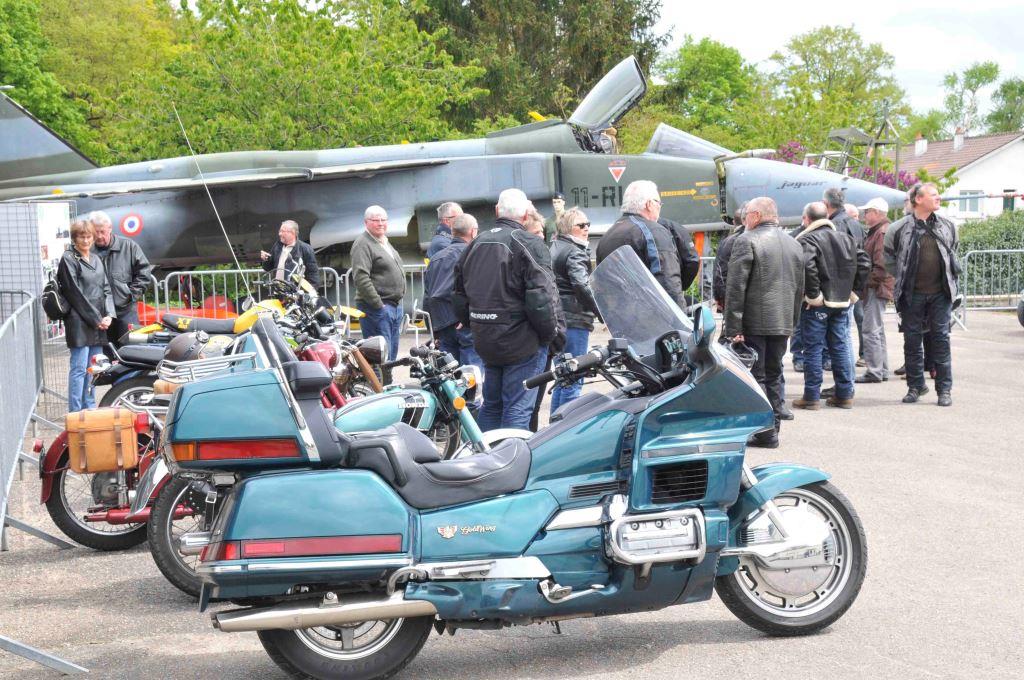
point(835, 269)
point(762, 300)
point(655, 245)
point(570, 260)
point(505, 292)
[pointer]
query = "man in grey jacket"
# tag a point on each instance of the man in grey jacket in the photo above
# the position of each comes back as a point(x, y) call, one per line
point(765, 285)
point(127, 271)
point(380, 280)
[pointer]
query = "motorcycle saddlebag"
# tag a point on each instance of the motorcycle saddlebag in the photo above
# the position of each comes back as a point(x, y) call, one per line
point(102, 440)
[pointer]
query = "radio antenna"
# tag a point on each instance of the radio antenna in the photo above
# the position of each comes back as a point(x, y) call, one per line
point(195, 159)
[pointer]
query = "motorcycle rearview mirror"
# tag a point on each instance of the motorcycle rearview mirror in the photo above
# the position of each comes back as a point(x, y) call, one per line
point(703, 326)
point(247, 303)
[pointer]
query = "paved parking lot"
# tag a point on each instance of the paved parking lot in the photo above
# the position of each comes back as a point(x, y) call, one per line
point(938, 490)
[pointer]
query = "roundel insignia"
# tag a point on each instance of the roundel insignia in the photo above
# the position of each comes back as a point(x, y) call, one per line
point(131, 224)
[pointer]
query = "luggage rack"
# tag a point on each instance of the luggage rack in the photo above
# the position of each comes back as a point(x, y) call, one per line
point(197, 369)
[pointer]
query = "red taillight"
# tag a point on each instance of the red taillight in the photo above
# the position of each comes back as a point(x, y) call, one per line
point(225, 550)
point(322, 545)
point(248, 448)
point(37, 445)
point(141, 422)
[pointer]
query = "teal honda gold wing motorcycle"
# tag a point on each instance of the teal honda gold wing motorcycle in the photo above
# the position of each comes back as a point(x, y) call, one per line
point(629, 501)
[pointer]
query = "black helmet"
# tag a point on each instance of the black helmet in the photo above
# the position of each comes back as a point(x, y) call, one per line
point(187, 346)
point(744, 352)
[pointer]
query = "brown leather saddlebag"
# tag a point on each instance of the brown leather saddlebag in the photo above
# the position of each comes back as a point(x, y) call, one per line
point(102, 440)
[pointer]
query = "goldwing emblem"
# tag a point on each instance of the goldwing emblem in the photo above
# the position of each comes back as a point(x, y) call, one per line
point(448, 531)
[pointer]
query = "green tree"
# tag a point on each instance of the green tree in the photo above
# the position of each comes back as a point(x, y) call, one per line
point(704, 80)
point(962, 94)
point(824, 79)
point(23, 48)
point(930, 125)
point(1007, 114)
point(540, 55)
point(288, 74)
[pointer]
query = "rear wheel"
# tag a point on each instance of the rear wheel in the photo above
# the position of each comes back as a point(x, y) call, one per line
point(165, 533)
point(74, 496)
point(802, 600)
point(360, 651)
point(131, 391)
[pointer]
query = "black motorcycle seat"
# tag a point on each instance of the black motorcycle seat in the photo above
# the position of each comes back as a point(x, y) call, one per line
point(188, 324)
point(408, 460)
point(148, 355)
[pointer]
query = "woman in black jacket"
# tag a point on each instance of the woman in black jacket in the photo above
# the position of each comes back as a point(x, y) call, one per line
point(83, 281)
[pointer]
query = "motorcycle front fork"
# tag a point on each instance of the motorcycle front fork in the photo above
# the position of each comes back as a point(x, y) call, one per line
point(748, 480)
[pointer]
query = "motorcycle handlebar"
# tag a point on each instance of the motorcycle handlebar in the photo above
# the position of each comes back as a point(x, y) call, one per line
point(538, 380)
point(583, 362)
point(420, 351)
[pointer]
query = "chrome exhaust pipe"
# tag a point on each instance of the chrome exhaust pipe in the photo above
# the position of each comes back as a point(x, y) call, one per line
point(329, 612)
point(193, 544)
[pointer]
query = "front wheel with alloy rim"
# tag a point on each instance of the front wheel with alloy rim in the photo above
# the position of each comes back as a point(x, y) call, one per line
point(782, 599)
point(359, 651)
point(165, 532)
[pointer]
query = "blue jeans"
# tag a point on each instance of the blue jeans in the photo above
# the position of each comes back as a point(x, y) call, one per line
point(796, 347)
point(506, 402)
point(928, 313)
point(384, 322)
point(459, 343)
point(80, 389)
point(575, 344)
point(821, 326)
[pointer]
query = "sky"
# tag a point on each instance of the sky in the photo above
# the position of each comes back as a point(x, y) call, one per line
point(927, 39)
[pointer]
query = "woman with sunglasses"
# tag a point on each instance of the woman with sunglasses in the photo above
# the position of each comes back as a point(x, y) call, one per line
point(83, 281)
point(570, 260)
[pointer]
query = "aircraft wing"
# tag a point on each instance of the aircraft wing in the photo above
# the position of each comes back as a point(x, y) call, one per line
point(237, 179)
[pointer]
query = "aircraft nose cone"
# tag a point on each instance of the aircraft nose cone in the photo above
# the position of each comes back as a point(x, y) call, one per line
point(794, 186)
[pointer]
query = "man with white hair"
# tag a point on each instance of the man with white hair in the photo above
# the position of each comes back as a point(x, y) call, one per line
point(654, 244)
point(762, 300)
point(127, 271)
point(288, 251)
point(505, 293)
point(446, 214)
point(379, 278)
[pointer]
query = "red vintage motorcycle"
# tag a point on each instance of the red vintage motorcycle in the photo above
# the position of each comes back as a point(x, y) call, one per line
point(110, 510)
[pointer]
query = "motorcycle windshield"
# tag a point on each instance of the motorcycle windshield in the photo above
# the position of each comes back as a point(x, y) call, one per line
point(633, 303)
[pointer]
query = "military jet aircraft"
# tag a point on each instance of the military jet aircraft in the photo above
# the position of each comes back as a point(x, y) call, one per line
point(163, 205)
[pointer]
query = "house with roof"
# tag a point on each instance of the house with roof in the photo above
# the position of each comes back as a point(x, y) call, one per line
point(985, 165)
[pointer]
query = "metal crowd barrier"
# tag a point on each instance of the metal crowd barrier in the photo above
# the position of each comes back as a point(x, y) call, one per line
point(991, 280)
point(21, 347)
point(227, 288)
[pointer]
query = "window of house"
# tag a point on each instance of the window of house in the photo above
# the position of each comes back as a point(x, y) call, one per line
point(1008, 200)
point(972, 205)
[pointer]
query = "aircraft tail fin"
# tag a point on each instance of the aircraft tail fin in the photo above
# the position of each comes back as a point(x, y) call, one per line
point(30, 148)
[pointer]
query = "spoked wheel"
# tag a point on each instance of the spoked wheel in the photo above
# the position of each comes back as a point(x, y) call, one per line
point(165, 533)
point(131, 391)
point(446, 436)
point(358, 651)
point(74, 496)
point(802, 599)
